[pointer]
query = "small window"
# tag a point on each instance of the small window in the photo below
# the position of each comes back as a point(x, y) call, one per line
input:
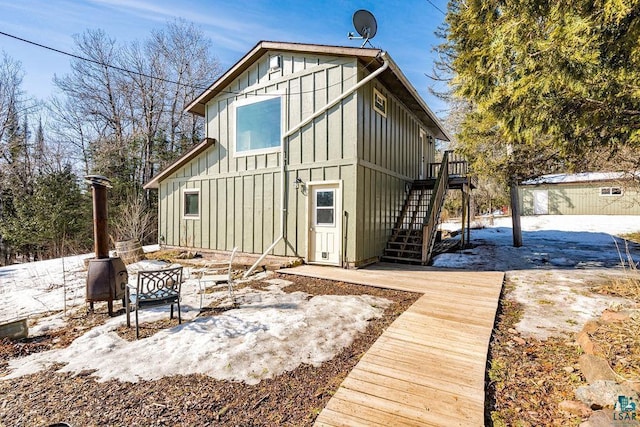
point(325, 207)
point(258, 125)
point(275, 63)
point(379, 102)
point(191, 207)
point(611, 191)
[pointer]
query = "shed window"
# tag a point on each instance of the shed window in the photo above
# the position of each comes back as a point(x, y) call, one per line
point(258, 125)
point(191, 204)
point(379, 102)
point(611, 191)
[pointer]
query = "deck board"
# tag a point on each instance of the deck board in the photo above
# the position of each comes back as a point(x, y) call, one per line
point(428, 367)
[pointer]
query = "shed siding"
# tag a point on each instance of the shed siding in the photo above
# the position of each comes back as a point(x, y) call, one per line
point(240, 196)
point(583, 199)
point(389, 159)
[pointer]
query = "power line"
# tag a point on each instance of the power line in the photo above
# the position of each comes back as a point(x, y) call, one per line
point(104, 64)
point(124, 70)
point(436, 7)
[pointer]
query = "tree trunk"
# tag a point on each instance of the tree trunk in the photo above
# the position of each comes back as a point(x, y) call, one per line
point(515, 216)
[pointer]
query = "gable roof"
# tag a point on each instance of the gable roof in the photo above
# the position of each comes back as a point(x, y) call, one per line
point(393, 79)
point(180, 162)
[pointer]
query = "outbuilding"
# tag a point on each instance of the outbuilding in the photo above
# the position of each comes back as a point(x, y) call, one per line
point(588, 193)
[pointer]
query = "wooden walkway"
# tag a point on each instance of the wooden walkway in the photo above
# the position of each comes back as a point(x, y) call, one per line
point(428, 367)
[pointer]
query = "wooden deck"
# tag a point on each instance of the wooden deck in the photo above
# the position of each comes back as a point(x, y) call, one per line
point(428, 367)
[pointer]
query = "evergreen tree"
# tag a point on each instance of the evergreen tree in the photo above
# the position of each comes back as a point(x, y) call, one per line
point(62, 213)
point(549, 83)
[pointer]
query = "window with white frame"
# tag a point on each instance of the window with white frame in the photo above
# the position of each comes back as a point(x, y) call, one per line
point(191, 203)
point(325, 207)
point(258, 127)
point(379, 102)
point(611, 191)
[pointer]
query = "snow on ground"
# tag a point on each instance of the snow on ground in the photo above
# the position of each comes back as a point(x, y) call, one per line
point(270, 332)
point(39, 287)
point(561, 259)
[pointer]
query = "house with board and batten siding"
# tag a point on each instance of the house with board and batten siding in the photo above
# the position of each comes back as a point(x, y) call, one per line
point(311, 151)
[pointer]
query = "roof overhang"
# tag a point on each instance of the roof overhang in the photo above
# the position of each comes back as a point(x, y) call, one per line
point(180, 162)
point(393, 79)
point(398, 84)
point(581, 178)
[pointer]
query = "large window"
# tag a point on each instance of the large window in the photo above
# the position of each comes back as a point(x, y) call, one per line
point(191, 206)
point(258, 125)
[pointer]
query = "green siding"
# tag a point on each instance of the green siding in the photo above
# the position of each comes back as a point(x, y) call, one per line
point(372, 156)
point(240, 196)
point(583, 199)
point(389, 155)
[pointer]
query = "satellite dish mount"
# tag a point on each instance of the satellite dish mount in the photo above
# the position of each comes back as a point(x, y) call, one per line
point(366, 25)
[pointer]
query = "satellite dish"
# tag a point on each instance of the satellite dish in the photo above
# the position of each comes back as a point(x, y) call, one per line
point(365, 24)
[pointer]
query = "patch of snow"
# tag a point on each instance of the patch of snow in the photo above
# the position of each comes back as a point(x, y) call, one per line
point(270, 333)
point(561, 259)
point(558, 302)
point(453, 260)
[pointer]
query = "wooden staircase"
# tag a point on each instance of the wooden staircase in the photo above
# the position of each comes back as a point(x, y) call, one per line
point(413, 237)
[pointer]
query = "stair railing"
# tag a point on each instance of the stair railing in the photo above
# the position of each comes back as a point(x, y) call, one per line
point(430, 224)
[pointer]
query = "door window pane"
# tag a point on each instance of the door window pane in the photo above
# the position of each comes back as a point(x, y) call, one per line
point(324, 216)
point(324, 199)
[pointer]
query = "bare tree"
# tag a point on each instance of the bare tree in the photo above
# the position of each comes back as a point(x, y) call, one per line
point(124, 107)
point(71, 132)
point(11, 94)
point(185, 50)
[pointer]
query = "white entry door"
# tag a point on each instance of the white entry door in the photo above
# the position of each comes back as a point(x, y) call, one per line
point(325, 215)
point(540, 202)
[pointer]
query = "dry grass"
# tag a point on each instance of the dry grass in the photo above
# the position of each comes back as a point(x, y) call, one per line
point(164, 255)
point(626, 285)
point(527, 381)
point(619, 344)
point(634, 237)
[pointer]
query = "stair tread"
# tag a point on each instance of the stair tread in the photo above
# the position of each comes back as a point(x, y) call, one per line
point(396, 258)
point(403, 251)
point(405, 240)
point(405, 243)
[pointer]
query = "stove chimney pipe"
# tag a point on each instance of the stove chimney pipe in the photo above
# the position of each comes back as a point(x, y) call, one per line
point(99, 185)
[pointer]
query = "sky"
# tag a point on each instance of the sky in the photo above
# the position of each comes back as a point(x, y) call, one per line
point(552, 276)
point(405, 30)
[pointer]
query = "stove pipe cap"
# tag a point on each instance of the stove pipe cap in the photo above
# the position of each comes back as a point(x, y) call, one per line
point(98, 180)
